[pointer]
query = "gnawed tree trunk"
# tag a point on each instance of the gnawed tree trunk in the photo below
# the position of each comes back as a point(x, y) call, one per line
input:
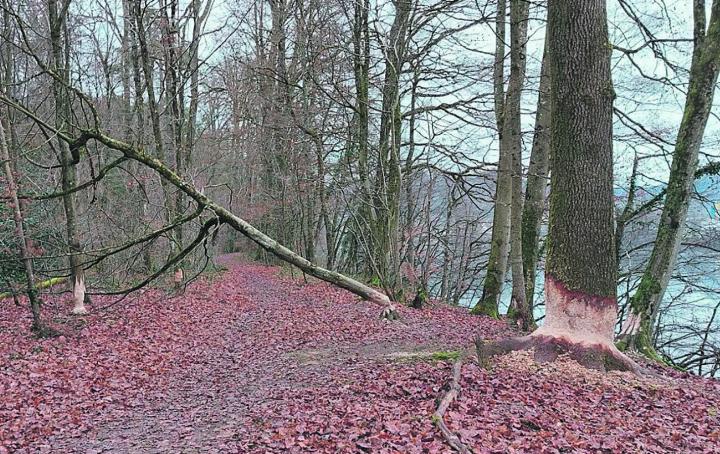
point(79, 288)
point(500, 241)
point(581, 273)
point(534, 205)
point(57, 16)
point(645, 303)
point(38, 326)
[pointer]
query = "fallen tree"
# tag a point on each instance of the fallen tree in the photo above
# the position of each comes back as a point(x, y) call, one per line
point(226, 216)
point(204, 202)
point(47, 283)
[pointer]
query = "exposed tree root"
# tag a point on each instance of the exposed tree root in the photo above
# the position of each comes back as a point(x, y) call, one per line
point(452, 393)
point(548, 348)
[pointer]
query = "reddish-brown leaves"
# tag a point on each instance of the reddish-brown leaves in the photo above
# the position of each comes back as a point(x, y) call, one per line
point(254, 363)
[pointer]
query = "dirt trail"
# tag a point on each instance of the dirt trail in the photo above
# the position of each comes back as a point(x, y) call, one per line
point(286, 367)
point(256, 362)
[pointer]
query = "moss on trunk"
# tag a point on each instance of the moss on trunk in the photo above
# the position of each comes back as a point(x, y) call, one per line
point(645, 303)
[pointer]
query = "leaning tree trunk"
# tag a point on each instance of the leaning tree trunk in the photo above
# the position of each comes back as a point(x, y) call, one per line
point(500, 240)
point(581, 273)
point(645, 303)
point(226, 216)
point(38, 326)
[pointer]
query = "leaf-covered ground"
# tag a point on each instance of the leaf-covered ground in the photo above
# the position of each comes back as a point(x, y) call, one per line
point(255, 362)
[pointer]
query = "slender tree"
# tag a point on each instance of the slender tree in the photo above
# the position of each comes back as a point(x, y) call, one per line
point(645, 303)
point(537, 183)
point(57, 15)
point(38, 326)
point(388, 181)
point(519, 309)
point(500, 241)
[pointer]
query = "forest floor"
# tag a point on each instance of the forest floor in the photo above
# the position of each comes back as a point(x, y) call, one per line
point(254, 361)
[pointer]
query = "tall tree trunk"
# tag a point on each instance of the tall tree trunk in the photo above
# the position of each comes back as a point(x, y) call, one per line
point(581, 272)
point(57, 16)
point(410, 254)
point(38, 326)
point(645, 303)
point(361, 125)
point(136, 134)
point(519, 310)
point(447, 254)
point(174, 96)
point(500, 240)
point(388, 184)
point(534, 205)
point(149, 85)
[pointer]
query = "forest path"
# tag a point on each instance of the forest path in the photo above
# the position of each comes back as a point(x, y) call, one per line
point(281, 366)
point(254, 361)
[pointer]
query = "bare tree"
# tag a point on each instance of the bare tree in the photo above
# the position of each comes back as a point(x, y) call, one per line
point(638, 331)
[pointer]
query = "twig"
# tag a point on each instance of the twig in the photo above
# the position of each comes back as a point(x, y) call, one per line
point(452, 439)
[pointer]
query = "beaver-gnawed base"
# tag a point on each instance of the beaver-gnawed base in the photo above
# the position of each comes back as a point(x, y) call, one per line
point(548, 348)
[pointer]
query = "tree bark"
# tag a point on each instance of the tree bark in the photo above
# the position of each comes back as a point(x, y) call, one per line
point(581, 271)
point(57, 16)
point(519, 310)
point(38, 326)
point(645, 303)
point(149, 85)
point(363, 242)
point(386, 203)
point(536, 183)
point(174, 94)
point(500, 241)
point(136, 135)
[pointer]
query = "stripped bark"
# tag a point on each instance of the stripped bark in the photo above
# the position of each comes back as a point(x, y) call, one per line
point(581, 271)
